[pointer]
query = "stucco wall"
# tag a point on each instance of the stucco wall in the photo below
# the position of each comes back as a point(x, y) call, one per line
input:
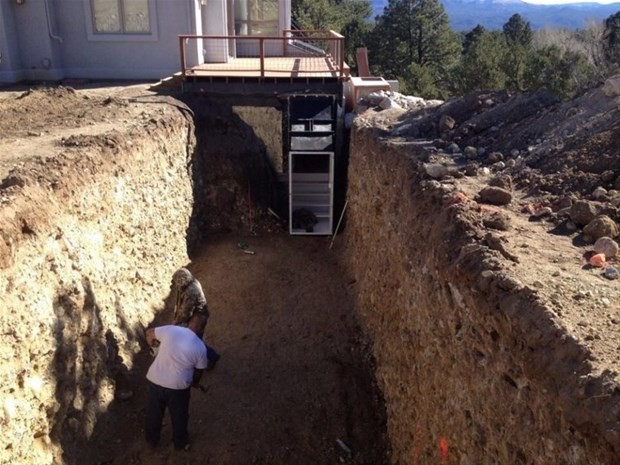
point(474, 368)
point(131, 58)
point(52, 40)
point(10, 61)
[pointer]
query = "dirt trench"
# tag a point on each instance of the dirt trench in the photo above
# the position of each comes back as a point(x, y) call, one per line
point(488, 346)
point(296, 380)
point(104, 196)
point(295, 375)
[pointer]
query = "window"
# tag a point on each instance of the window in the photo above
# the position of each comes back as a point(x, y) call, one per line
point(257, 17)
point(121, 20)
point(120, 16)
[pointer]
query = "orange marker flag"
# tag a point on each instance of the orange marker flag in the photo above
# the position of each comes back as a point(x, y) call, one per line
point(443, 451)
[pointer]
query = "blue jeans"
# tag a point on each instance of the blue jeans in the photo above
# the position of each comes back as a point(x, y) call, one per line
point(212, 356)
point(177, 402)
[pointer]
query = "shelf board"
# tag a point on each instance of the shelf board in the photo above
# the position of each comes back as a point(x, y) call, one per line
point(311, 133)
point(320, 229)
point(311, 192)
point(309, 205)
point(310, 178)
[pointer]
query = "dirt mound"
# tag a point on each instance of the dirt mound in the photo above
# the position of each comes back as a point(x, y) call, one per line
point(545, 144)
point(39, 111)
point(544, 178)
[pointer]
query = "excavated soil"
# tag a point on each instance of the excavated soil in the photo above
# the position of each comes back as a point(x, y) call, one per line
point(470, 230)
point(295, 383)
point(297, 373)
point(545, 153)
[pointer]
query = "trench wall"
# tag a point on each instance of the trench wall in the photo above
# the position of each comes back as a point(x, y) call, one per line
point(90, 241)
point(235, 178)
point(473, 367)
point(86, 265)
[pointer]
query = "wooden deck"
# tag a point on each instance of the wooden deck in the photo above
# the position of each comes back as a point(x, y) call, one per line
point(294, 56)
point(272, 67)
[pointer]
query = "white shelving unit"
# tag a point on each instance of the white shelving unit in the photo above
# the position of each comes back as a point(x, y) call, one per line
point(311, 177)
point(311, 144)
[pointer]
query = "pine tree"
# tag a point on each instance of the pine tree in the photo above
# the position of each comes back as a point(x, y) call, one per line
point(612, 38)
point(518, 35)
point(472, 37)
point(412, 40)
point(480, 66)
point(348, 17)
point(330, 14)
point(518, 31)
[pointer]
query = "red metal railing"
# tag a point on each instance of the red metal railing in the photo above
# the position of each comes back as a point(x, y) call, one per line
point(304, 53)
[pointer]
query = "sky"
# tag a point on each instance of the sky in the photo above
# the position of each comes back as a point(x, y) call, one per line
point(561, 2)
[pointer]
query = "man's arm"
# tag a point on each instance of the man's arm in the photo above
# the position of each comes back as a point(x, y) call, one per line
point(201, 362)
point(197, 375)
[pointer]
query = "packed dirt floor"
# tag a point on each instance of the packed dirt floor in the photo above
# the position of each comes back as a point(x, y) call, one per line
point(294, 376)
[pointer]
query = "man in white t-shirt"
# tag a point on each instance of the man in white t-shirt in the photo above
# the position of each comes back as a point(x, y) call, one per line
point(179, 364)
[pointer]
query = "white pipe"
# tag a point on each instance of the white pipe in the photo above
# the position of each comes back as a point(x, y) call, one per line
point(49, 23)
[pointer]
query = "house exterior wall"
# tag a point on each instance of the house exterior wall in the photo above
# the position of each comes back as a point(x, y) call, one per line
point(215, 20)
point(10, 61)
point(53, 39)
point(133, 57)
point(39, 46)
point(193, 50)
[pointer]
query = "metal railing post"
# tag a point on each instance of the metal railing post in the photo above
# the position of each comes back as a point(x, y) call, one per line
point(181, 38)
point(262, 57)
point(341, 58)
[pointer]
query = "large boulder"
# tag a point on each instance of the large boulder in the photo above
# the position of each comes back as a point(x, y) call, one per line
point(582, 212)
point(600, 226)
point(611, 88)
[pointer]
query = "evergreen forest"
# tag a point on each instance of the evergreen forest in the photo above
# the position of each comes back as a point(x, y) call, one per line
point(412, 41)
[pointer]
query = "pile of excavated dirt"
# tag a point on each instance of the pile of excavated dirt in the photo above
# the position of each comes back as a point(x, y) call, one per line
point(542, 173)
point(495, 318)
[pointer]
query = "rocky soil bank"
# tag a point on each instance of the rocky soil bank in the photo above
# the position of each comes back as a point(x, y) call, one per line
point(85, 257)
point(475, 230)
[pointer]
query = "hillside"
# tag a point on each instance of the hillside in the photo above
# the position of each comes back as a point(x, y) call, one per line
point(493, 14)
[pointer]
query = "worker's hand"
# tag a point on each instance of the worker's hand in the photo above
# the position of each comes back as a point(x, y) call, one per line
point(197, 376)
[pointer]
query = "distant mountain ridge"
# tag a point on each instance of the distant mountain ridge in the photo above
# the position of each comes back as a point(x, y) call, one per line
point(492, 14)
